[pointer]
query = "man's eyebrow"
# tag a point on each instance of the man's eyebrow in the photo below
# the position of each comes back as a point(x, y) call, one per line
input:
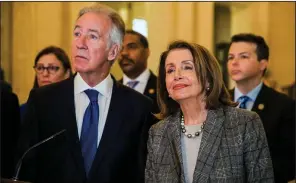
point(90, 30)
point(76, 26)
point(93, 30)
point(244, 52)
point(131, 43)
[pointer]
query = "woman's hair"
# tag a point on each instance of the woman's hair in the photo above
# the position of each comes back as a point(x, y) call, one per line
point(208, 73)
point(60, 55)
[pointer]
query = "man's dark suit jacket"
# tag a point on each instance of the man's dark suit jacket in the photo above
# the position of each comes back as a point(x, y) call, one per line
point(277, 112)
point(151, 91)
point(121, 154)
point(10, 124)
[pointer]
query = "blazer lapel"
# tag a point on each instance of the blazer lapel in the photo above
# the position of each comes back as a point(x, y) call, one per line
point(211, 138)
point(67, 96)
point(174, 132)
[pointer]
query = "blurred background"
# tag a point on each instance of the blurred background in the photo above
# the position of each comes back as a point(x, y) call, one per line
point(28, 27)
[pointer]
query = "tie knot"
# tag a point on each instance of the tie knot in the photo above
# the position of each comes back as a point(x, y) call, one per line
point(92, 95)
point(243, 99)
point(132, 84)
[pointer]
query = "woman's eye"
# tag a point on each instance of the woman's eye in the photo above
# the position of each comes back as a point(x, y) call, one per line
point(39, 68)
point(170, 71)
point(188, 67)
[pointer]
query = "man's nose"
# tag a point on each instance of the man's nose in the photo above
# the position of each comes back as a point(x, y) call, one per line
point(234, 60)
point(81, 42)
point(123, 51)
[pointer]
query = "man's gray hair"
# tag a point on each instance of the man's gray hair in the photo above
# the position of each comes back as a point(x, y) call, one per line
point(118, 27)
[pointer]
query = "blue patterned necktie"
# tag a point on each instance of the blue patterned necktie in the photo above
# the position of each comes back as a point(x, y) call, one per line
point(89, 132)
point(132, 84)
point(243, 101)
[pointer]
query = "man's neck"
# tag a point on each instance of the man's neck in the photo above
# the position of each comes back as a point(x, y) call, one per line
point(94, 78)
point(245, 86)
point(134, 75)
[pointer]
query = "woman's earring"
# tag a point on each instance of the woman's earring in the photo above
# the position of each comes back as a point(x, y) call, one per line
point(208, 88)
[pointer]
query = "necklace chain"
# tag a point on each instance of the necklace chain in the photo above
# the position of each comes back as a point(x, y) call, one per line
point(189, 135)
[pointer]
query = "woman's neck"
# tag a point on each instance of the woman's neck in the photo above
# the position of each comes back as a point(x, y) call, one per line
point(194, 112)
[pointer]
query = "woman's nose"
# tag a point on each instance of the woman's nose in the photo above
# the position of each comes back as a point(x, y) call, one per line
point(45, 72)
point(178, 74)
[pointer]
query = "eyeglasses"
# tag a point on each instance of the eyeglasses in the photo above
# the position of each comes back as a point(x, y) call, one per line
point(50, 69)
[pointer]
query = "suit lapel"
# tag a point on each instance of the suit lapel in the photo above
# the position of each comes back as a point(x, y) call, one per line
point(259, 103)
point(113, 124)
point(174, 132)
point(67, 96)
point(211, 138)
point(121, 81)
point(150, 89)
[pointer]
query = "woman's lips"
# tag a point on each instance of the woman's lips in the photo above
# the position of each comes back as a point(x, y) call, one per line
point(179, 86)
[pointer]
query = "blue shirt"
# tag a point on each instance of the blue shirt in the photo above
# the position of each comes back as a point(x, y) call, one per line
point(252, 95)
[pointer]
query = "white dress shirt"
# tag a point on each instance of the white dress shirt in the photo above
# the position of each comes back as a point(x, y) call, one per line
point(82, 101)
point(142, 78)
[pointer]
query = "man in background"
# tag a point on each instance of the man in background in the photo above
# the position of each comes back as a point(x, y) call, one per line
point(133, 62)
point(247, 62)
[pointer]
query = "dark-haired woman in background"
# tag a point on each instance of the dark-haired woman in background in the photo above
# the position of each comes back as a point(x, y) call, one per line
point(51, 65)
point(203, 137)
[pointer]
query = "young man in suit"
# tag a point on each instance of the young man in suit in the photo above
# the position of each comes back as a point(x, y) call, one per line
point(247, 63)
point(106, 123)
point(133, 62)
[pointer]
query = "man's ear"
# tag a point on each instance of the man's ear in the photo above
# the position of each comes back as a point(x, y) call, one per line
point(113, 52)
point(263, 64)
point(148, 52)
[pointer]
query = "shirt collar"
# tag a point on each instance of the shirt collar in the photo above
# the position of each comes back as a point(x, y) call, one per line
point(252, 94)
point(104, 87)
point(141, 78)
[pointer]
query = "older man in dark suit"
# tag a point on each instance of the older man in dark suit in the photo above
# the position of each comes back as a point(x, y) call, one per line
point(106, 123)
point(247, 63)
point(133, 62)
